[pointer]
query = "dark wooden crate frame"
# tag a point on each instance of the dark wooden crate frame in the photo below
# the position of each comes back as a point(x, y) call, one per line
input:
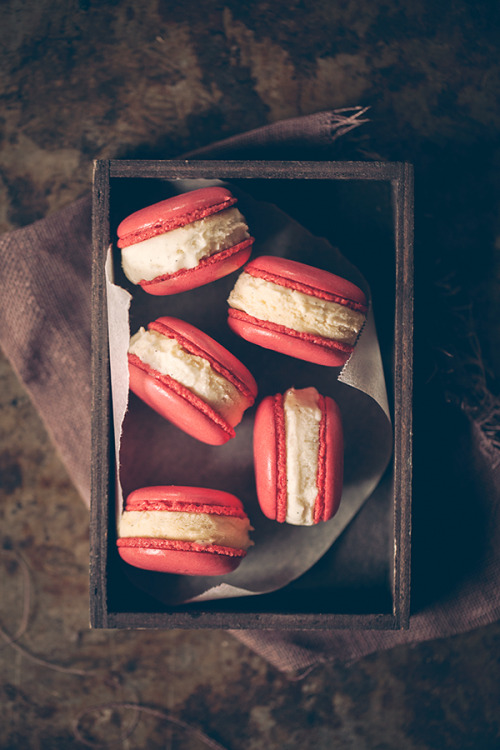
point(400, 177)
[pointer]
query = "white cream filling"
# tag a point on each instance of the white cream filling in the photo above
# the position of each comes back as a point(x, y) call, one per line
point(201, 528)
point(302, 423)
point(168, 357)
point(300, 312)
point(184, 247)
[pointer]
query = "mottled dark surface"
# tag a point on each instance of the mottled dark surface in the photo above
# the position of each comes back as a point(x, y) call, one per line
point(87, 79)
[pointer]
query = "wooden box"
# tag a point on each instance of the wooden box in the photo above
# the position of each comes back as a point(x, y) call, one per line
point(363, 581)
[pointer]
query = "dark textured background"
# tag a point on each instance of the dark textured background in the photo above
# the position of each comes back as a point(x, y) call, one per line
point(85, 80)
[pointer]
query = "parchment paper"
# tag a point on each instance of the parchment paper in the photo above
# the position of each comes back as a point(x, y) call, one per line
point(150, 451)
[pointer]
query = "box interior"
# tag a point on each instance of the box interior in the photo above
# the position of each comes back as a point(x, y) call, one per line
point(355, 575)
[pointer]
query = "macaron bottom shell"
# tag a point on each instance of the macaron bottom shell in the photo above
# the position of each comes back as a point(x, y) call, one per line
point(193, 560)
point(307, 347)
point(208, 270)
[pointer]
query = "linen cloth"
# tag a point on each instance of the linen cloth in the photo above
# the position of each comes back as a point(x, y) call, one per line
point(45, 333)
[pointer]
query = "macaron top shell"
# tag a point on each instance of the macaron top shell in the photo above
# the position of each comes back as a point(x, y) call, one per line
point(165, 497)
point(173, 213)
point(307, 279)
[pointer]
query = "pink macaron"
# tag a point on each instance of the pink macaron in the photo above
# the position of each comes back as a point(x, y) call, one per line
point(184, 242)
point(183, 530)
point(190, 379)
point(297, 310)
point(298, 457)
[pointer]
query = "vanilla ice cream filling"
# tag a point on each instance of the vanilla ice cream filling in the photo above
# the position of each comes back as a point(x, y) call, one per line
point(296, 310)
point(302, 427)
point(168, 357)
point(201, 528)
point(184, 247)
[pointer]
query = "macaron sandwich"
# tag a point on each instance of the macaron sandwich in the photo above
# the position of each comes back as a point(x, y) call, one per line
point(190, 379)
point(184, 242)
point(298, 310)
point(298, 457)
point(183, 530)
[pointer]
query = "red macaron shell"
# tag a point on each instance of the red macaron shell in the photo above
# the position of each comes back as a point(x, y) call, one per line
point(307, 280)
point(270, 459)
point(308, 347)
point(178, 404)
point(270, 472)
point(208, 269)
point(179, 562)
point(182, 558)
point(177, 496)
point(173, 213)
point(332, 462)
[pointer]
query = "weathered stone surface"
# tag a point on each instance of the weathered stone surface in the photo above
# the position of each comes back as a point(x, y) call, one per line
point(89, 80)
